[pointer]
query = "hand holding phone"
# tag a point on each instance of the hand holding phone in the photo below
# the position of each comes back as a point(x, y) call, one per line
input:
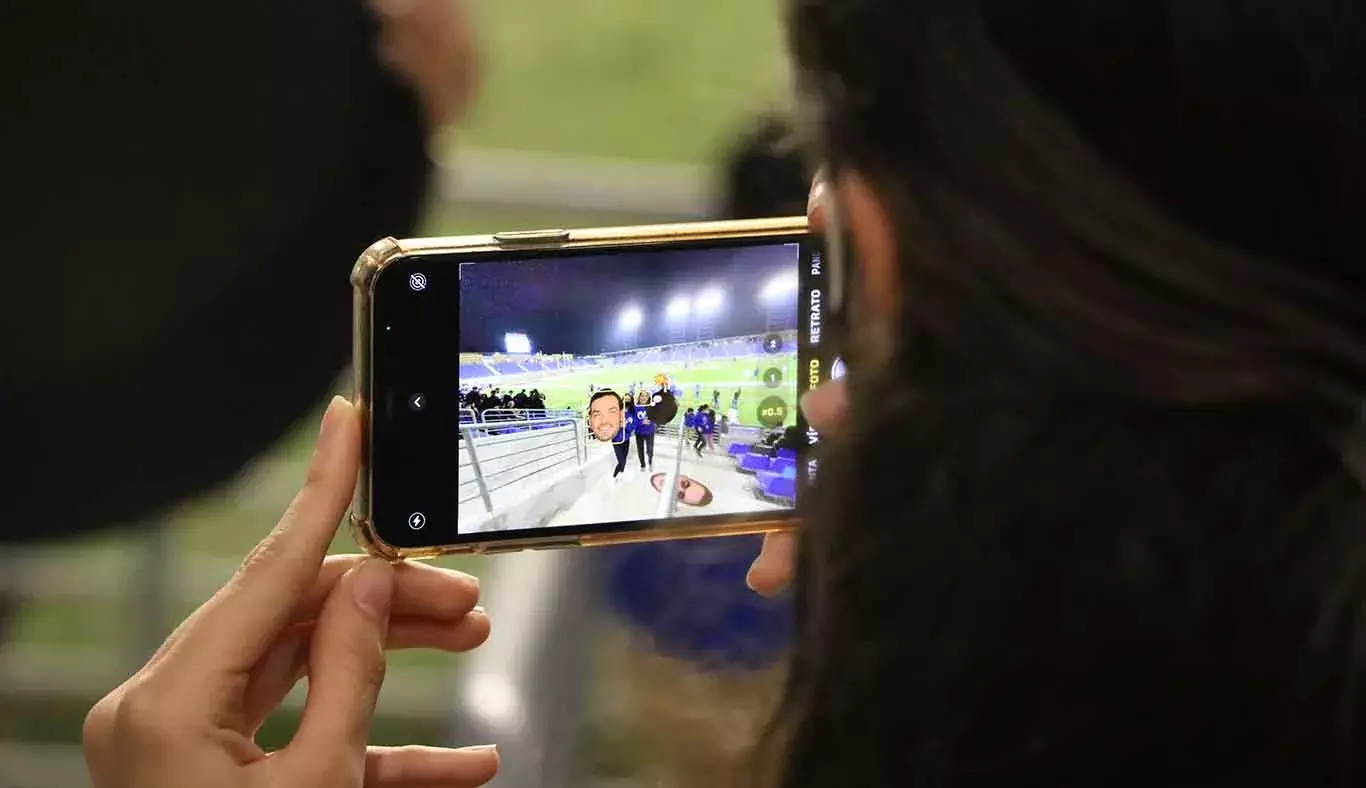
point(502, 335)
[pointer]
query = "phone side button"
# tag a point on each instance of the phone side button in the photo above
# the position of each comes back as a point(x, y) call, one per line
point(497, 550)
point(531, 236)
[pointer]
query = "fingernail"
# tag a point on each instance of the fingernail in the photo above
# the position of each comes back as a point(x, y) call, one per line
point(480, 610)
point(330, 416)
point(819, 186)
point(373, 587)
point(826, 403)
point(481, 748)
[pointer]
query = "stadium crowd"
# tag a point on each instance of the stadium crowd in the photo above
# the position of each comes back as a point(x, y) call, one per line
point(483, 399)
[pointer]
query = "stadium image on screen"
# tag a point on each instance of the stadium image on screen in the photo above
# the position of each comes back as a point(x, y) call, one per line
point(690, 359)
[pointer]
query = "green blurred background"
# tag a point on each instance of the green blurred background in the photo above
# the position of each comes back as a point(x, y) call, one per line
point(661, 89)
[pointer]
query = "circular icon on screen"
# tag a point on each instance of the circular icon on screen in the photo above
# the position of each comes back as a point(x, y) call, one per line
point(418, 282)
point(417, 521)
point(837, 369)
point(773, 377)
point(772, 412)
point(773, 343)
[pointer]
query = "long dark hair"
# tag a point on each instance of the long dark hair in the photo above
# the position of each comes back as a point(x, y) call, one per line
point(1105, 527)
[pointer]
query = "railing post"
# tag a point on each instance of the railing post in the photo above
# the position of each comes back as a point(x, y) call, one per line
point(151, 584)
point(478, 472)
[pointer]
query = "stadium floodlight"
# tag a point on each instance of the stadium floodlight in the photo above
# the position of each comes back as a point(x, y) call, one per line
point(711, 300)
point(679, 308)
point(517, 343)
point(631, 318)
point(780, 288)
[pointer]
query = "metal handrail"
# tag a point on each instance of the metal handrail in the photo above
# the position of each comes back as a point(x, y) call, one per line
point(511, 414)
point(562, 450)
point(668, 493)
point(471, 413)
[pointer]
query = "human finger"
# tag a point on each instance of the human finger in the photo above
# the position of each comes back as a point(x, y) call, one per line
point(420, 590)
point(815, 201)
point(408, 767)
point(826, 407)
point(346, 668)
point(233, 630)
point(287, 662)
point(772, 570)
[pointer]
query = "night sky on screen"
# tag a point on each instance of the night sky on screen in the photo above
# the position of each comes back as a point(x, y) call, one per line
point(574, 304)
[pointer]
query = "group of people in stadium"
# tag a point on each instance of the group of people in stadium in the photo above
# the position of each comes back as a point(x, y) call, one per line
point(617, 418)
point(480, 400)
point(701, 426)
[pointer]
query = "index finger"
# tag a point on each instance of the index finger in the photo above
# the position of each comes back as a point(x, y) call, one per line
point(236, 626)
point(815, 201)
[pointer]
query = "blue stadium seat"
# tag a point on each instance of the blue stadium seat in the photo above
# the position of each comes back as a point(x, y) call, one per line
point(754, 463)
point(787, 454)
point(781, 487)
point(738, 448)
point(782, 464)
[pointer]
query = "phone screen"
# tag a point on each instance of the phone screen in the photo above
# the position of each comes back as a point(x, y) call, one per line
point(568, 392)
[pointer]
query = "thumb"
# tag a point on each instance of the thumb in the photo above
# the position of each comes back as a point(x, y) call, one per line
point(345, 670)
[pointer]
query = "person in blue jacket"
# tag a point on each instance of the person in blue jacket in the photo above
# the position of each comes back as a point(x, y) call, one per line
point(705, 423)
point(689, 421)
point(605, 410)
point(645, 434)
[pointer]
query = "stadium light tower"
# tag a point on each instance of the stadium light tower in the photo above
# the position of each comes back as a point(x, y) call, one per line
point(517, 343)
point(631, 319)
point(679, 308)
point(779, 289)
point(779, 299)
point(710, 303)
point(676, 315)
point(628, 325)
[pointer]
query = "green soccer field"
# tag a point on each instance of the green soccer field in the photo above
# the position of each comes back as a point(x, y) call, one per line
point(570, 390)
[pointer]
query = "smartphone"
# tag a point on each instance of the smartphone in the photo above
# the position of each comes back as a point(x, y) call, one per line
point(559, 388)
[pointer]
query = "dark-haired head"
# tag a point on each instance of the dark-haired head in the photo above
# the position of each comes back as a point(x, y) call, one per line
point(606, 393)
point(1108, 268)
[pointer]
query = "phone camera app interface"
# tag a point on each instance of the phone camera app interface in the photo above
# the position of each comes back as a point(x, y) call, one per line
point(626, 387)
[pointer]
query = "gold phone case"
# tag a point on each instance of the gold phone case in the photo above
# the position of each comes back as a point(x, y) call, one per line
point(382, 253)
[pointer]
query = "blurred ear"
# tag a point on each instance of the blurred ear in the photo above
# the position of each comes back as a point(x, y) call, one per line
point(874, 241)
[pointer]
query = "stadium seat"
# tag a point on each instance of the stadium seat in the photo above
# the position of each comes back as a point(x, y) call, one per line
point(787, 454)
point(781, 487)
point(738, 448)
point(754, 463)
point(783, 464)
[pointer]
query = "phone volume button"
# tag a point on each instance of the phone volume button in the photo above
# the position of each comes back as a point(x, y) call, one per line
point(532, 236)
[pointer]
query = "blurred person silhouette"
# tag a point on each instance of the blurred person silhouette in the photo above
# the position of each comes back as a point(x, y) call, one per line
point(196, 188)
point(197, 181)
point(708, 652)
point(1107, 304)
